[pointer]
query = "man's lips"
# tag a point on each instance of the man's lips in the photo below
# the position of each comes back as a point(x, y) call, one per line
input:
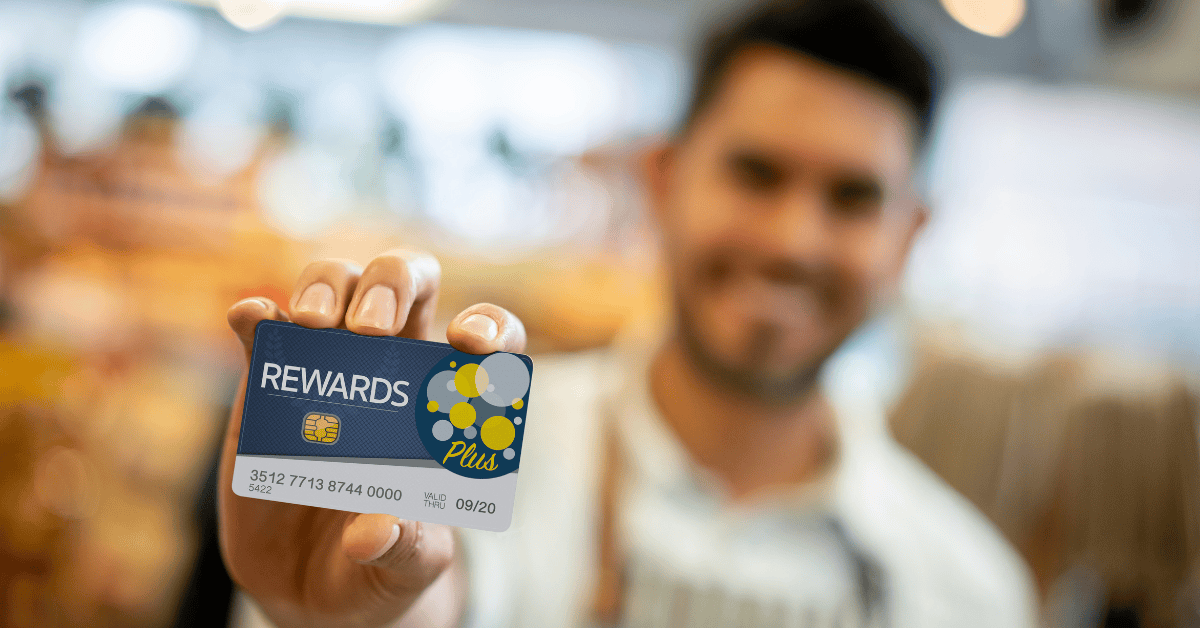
point(785, 305)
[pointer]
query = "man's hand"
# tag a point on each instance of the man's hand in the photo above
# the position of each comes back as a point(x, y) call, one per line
point(312, 566)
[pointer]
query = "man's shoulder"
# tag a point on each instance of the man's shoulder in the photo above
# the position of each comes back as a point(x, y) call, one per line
point(947, 562)
point(534, 569)
point(577, 368)
point(566, 393)
point(569, 380)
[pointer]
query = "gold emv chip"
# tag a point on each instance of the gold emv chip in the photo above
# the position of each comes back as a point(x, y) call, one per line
point(321, 428)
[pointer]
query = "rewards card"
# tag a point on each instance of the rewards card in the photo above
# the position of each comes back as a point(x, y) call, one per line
point(376, 424)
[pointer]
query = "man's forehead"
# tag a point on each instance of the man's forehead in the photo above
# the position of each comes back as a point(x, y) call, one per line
point(813, 112)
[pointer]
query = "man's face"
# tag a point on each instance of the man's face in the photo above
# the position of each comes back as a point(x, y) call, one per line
point(787, 213)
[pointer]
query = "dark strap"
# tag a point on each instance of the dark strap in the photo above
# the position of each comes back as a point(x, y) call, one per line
point(872, 581)
point(608, 600)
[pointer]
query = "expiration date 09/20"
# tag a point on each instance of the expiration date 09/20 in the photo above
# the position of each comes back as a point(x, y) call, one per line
point(476, 506)
point(271, 479)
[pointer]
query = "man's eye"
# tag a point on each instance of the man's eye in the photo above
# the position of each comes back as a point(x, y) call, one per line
point(857, 197)
point(756, 173)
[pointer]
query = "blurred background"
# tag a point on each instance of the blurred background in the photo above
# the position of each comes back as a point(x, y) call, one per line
point(160, 160)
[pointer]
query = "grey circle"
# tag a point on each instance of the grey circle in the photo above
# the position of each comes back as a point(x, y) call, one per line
point(509, 453)
point(437, 391)
point(509, 378)
point(450, 385)
point(470, 431)
point(485, 410)
point(517, 420)
point(443, 430)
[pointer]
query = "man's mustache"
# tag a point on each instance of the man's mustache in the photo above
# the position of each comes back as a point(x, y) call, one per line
point(722, 266)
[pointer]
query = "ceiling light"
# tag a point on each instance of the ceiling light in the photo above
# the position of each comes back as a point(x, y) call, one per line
point(251, 15)
point(995, 18)
point(383, 11)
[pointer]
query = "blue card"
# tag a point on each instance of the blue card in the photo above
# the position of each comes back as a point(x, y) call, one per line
point(391, 425)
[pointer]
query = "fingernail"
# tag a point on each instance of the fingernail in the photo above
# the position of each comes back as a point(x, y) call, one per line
point(377, 308)
point(480, 325)
point(387, 545)
point(317, 298)
point(259, 302)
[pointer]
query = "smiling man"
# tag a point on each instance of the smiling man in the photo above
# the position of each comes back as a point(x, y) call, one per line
point(702, 476)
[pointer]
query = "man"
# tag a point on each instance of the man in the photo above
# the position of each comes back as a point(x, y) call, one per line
point(703, 478)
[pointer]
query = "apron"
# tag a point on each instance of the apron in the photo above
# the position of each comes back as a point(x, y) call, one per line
point(615, 603)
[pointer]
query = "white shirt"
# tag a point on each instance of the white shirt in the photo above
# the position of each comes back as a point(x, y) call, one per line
point(694, 557)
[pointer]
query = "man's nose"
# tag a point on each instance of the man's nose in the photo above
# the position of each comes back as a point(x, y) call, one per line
point(798, 227)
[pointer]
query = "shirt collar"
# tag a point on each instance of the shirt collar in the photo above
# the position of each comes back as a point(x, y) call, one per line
point(656, 455)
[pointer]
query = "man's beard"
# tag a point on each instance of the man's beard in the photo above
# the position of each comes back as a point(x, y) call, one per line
point(774, 389)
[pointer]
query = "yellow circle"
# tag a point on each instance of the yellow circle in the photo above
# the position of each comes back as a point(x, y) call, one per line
point(481, 380)
point(517, 403)
point(451, 365)
point(432, 405)
point(497, 433)
point(465, 380)
point(462, 415)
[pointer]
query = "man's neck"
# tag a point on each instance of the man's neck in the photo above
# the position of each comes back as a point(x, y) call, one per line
point(750, 444)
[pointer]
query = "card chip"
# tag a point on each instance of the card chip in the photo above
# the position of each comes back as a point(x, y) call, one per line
point(321, 428)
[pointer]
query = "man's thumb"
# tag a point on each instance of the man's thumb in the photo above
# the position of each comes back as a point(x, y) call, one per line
point(245, 315)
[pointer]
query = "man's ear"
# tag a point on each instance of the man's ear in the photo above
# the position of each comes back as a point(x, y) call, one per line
point(920, 217)
point(655, 166)
point(913, 229)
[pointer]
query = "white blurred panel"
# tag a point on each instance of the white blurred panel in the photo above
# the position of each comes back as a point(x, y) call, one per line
point(1064, 215)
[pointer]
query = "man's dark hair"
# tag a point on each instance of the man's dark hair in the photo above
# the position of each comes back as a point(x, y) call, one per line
point(855, 35)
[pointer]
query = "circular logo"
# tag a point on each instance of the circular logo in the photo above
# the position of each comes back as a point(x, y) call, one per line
point(471, 413)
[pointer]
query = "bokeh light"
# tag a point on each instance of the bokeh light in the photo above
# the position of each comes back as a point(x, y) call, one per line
point(138, 47)
point(85, 116)
point(561, 94)
point(304, 190)
point(439, 80)
point(18, 160)
point(222, 134)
